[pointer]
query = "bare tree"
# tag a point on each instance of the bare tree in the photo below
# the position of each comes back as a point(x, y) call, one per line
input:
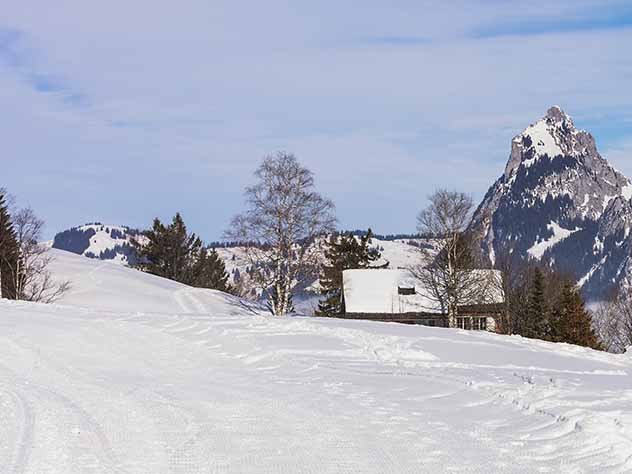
point(284, 217)
point(32, 279)
point(449, 277)
point(513, 286)
point(612, 321)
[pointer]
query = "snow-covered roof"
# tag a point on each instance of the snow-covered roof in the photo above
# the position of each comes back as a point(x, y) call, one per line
point(376, 291)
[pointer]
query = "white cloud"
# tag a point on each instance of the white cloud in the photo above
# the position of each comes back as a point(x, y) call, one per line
point(189, 97)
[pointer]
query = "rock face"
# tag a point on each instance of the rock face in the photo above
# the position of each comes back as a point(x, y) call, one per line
point(104, 242)
point(560, 202)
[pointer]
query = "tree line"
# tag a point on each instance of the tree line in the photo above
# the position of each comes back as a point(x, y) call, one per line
point(543, 304)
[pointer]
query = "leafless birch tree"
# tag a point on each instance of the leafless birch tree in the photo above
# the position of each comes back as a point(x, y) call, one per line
point(284, 217)
point(448, 276)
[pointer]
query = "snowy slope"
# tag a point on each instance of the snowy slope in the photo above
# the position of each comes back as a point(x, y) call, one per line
point(133, 374)
point(110, 286)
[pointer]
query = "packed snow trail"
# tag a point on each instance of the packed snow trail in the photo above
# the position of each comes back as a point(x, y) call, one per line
point(208, 385)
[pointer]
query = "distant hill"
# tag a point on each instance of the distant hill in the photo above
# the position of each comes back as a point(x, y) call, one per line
point(100, 241)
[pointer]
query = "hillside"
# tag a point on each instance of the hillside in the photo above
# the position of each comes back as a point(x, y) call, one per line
point(134, 374)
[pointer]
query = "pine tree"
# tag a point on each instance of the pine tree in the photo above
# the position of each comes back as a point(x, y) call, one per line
point(342, 252)
point(168, 250)
point(536, 312)
point(171, 252)
point(331, 277)
point(9, 253)
point(571, 322)
point(210, 272)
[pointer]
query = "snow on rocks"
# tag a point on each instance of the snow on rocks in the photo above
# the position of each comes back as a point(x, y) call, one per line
point(559, 234)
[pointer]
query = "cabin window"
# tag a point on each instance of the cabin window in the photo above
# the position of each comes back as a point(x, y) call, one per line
point(479, 324)
point(406, 290)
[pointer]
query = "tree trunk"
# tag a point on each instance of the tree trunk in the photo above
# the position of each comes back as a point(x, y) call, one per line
point(452, 314)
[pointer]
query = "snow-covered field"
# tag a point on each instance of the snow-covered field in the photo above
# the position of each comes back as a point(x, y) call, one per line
point(135, 374)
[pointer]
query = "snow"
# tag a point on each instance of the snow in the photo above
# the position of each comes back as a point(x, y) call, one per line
point(626, 192)
point(377, 291)
point(583, 280)
point(103, 241)
point(400, 254)
point(559, 234)
point(133, 374)
point(543, 142)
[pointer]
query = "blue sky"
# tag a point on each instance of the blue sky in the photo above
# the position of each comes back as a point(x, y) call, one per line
point(122, 111)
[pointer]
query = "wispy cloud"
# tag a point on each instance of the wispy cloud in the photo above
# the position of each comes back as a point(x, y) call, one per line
point(586, 18)
point(20, 57)
point(177, 105)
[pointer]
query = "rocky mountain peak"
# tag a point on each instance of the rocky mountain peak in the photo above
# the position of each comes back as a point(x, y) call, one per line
point(561, 202)
point(556, 115)
point(553, 136)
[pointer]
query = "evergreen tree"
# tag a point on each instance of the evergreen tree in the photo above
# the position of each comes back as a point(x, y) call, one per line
point(168, 250)
point(342, 252)
point(210, 272)
point(9, 252)
point(171, 252)
point(536, 312)
point(570, 321)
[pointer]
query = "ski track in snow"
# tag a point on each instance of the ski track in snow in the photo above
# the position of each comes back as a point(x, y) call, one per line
point(206, 386)
point(212, 398)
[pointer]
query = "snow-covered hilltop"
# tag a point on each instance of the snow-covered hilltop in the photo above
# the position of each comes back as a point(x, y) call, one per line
point(132, 373)
point(103, 242)
point(561, 201)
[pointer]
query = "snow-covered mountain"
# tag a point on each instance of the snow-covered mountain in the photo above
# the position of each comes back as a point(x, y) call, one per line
point(103, 242)
point(560, 201)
